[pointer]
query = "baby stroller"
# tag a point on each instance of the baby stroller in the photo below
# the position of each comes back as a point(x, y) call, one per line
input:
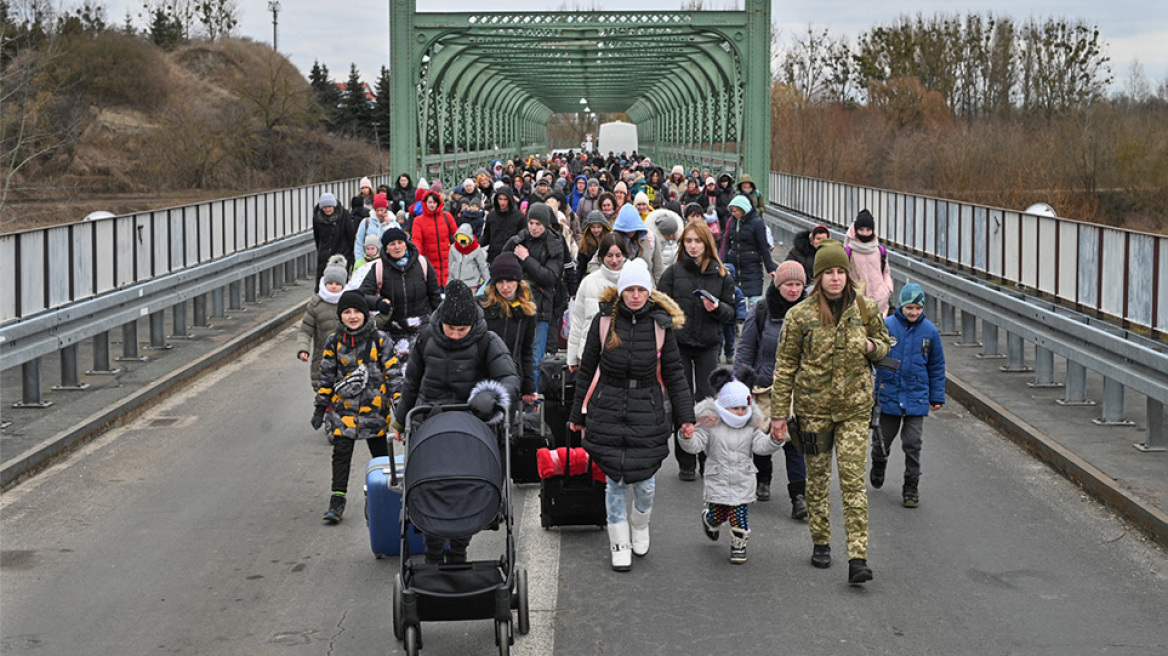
point(457, 484)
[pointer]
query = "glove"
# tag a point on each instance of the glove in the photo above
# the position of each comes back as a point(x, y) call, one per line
point(384, 306)
point(483, 405)
point(317, 419)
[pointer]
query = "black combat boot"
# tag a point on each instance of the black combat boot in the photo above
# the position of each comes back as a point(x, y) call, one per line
point(877, 474)
point(911, 498)
point(858, 571)
point(821, 556)
point(336, 509)
point(763, 491)
point(798, 494)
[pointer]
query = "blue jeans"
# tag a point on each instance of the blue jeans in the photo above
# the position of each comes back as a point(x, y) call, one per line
point(538, 348)
point(615, 498)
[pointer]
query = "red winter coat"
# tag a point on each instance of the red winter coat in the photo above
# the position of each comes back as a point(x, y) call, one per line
point(433, 233)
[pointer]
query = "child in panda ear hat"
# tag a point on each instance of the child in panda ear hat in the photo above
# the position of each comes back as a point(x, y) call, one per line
point(729, 429)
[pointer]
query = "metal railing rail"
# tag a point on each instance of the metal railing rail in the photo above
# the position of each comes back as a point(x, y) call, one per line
point(1116, 272)
point(1124, 358)
point(50, 268)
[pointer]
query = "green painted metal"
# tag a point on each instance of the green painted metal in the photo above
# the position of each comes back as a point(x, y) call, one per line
point(472, 87)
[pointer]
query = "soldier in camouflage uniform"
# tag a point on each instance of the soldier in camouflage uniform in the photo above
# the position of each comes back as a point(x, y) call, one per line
point(825, 349)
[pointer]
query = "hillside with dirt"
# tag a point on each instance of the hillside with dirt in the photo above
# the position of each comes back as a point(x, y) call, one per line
point(112, 122)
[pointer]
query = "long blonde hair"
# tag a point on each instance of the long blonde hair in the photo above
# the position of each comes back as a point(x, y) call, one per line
point(522, 294)
point(710, 252)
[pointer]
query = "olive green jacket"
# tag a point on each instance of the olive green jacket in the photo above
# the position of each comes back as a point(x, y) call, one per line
point(825, 367)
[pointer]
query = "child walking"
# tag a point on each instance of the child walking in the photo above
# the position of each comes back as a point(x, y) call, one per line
point(320, 317)
point(468, 260)
point(359, 375)
point(908, 394)
point(729, 429)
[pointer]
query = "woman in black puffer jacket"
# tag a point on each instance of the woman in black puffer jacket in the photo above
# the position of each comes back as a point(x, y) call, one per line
point(619, 394)
point(406, 291)
point(744, 244)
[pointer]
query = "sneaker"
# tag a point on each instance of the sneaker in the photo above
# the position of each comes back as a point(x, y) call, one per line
point(821, 556)
point(336, 509)
point(763, 492)
point(738, 555)
point(738, 539)
point(711, 532)
point(877, 473)
point(687, 475)
point(858, 571)
point(799, 507)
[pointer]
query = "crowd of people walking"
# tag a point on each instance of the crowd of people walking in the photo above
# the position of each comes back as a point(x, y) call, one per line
point(645, 280)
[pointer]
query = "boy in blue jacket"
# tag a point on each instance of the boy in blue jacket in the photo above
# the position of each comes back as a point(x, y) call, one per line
point(907, 395)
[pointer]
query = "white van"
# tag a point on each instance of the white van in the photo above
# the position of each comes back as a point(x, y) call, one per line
point(617, 137)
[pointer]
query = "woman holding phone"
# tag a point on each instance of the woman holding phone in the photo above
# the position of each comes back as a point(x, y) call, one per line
point(698, 283)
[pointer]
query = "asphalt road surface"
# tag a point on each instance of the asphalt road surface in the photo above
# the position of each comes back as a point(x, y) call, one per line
point(196, 530)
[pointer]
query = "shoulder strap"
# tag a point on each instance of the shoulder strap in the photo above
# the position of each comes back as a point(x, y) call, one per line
point(424, 263)
point(605, 323)
point(760, 313)
point(377, 268)
point(883, 257)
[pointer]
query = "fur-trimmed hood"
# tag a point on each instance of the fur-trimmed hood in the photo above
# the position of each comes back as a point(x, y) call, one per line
point(668, 314)
point(705, 410)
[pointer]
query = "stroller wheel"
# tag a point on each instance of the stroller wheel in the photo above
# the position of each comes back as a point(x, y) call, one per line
point(412, 640)
point(398, 604)
point(503, 637)
point(523, 625)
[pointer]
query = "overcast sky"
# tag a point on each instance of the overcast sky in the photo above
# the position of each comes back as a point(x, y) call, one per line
point(341, 33)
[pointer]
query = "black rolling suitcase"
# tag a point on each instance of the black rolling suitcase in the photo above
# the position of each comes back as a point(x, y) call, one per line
point(572, 500)
point(557, 386)
point(530, 436)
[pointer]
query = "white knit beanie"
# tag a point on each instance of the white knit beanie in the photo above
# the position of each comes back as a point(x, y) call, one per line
point(734, 395)
point(635, 273)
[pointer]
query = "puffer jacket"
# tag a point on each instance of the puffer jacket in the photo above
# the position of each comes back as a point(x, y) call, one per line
point(518, 333)
point(585, 307)
point(543, 268)
point(757, 349)
point(320, 320)
point(332, 235)
point(432, 233)
point(920, 380)
point(365, 415)
point(442, 370)
point(803, 252)
point(468, 263)
point(668, 248)
point(411, 289)
point(627, 431)
point(870, 268)
point(745, 246)
point(501, 226)
point(825, 367)
point(703, 329)
point(401, 198)
point(729, 472)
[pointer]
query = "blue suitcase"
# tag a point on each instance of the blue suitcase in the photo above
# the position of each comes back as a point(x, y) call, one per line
point(383, 505)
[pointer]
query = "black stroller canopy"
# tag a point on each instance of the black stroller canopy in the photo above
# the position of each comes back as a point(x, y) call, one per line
point(454, 476)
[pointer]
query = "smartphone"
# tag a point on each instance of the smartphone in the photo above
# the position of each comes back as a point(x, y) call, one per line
point(701, 293)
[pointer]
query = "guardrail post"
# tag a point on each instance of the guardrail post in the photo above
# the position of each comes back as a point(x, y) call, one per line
point(1112, 405)
point(30, 394)
point(101, 357)
point(1076, 385)
point(277, 278)
point(179, 320)
point(235, 296)
point(130, 352)
point(302, 266)
point(968, 331)
point(290, 272)
point(249, 289)
point(199, 305)
point(70, 378)
point(158, 332)
point(932, 307)
point(265, 282)
point(948, 319)
point(1155, 440)
point(989, 339)
point(218, 309)
point(1043, 368)
point(1015, 355)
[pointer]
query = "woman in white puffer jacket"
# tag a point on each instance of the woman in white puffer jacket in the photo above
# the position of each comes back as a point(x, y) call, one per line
point(612, 254)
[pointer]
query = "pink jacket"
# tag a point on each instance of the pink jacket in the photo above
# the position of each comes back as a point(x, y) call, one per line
point(866, 268)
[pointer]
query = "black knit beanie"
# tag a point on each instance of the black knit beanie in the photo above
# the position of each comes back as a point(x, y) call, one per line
point(459, 307)
point(865, 220)
point(353, 299)
point(506, 267)
point(540, 212)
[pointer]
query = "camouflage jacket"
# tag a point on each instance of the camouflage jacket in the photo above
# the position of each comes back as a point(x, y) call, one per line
point(365, 415)
point(825, 367)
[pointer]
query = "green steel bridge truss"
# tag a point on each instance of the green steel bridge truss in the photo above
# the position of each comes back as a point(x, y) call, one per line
point(468, 88)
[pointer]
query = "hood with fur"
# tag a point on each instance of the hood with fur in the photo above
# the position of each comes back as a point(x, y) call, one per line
point(669, 315)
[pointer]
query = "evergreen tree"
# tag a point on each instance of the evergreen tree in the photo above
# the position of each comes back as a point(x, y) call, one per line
point(356, 114)
point(166, 30)
point(326, 93)
point(381, 114)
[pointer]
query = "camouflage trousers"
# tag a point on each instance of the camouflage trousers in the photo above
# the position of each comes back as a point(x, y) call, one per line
point(851, 452)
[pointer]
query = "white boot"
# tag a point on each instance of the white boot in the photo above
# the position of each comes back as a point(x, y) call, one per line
point(639, 525)
point(738, 538)
point(618, 541)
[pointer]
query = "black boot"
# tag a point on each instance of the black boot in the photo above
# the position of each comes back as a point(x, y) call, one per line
point(877, 474)
point(336, 509)
point(821, 556)
point(798, 494)
point(911, 498)
point(858, 571)
point(763, 491)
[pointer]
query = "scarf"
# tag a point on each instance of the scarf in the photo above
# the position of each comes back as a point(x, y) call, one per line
point(730, 419)
point(402, 261)
point(327, 296)
point(469, 248)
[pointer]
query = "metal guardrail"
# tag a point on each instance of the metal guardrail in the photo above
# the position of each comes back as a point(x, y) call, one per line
point(49, 268)
point(1116, 272)
point(1124, 359)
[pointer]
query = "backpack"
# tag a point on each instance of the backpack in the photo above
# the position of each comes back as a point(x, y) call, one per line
point(883, 256)
point(605, 325)
point(422, 262)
